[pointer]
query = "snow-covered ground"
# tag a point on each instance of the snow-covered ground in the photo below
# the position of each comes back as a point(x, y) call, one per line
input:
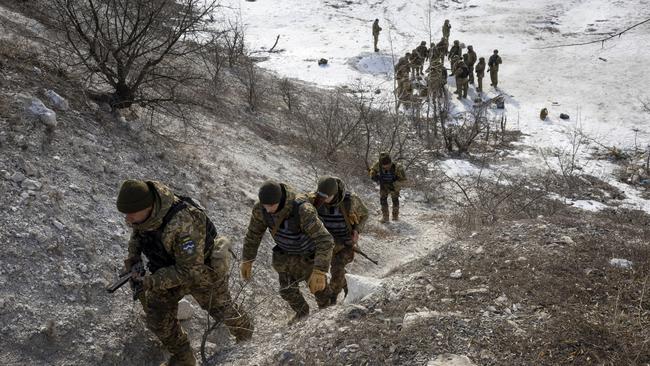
point(599, 86)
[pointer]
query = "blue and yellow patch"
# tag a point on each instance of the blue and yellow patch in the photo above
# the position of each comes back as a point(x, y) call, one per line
point(188, 245)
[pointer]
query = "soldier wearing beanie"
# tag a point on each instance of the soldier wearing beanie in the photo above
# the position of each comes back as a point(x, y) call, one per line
point(390, 177)
point(344, 216)
point(303, 247)
point(184, 257)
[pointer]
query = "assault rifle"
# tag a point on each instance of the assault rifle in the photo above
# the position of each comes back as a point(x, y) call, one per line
point(138, 269)
point(357, 250)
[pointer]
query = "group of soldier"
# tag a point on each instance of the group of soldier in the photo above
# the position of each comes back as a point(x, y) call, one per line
point(409, 70)
point(314, 234)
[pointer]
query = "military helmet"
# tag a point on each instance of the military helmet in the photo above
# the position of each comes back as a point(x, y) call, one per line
point(456, 41)
point(446, 20)
point(423, 43)
point(496, 51)
point(470, 47)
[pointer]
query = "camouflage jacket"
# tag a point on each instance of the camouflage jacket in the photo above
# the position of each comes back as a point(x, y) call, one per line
point(471, 58)
point(183, 239)
point(357, 212)
point(375, 29)
point(446, 30)
point(310, 224)
point(480, 69)
point(396, 169)
point(494, 62)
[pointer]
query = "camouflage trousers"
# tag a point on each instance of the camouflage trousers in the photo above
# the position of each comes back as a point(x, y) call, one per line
point(494, 77)
point(342, 255)
point(480, 83)
point(471, 74)
point(293, 269)
point(383, 198)
point(375, 38)
point(211, 292)
point(461, 87)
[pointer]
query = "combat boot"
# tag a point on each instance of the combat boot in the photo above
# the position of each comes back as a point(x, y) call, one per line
point(185, 357)
point(299, 316)
point(395, 214)
point(384, 213)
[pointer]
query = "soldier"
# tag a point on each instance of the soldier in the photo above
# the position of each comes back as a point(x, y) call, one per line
point(404, 91)
point(433, 53)
point(375, 33)
point(493, 63)
point(403, 66)
point(443, 49)
point(436, 78)
point(446, 29)
point(480, 73)
point(390, 176)
point(461, 72)
point(471, 60)
point(422, 53)
point(455, 50)
point(414, 60)
point(184, 257)
point(303, 247)
point(344, 216)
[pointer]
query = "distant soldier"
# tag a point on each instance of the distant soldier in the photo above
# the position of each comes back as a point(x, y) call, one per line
point(184, 257)
point(443, 49)
point(423, 54)
point(471, 60)
point(403, 67)
point(344, 216)
point(480, 73)
point(436, 78)
point(446, 29)
point(461, 72)
point(303, 247)
point(404, 91)
point(433, 53)
point(455, 50)
point(493, 64)
point(414, 60)
point(375, 33)
point(390, 176)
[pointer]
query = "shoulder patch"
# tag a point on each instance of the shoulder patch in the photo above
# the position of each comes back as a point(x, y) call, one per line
point(187, 245)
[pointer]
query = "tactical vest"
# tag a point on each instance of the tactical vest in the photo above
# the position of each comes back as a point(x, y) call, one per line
point(333, 218)
point(289, 237)
point(152, 241)
point(389, 176)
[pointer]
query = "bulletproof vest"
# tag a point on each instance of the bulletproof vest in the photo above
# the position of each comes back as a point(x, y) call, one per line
point(492, 61)
point(334, 219)
point(152, 241)
point(389, 176)
point(289, 237)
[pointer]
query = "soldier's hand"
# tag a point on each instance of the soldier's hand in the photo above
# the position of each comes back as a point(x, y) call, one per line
point(317, 281)
point(355, 237)
point(246, 269)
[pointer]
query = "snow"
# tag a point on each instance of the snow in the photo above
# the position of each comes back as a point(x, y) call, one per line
point(596, 85)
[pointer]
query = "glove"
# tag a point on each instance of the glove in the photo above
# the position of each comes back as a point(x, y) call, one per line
point(317, 281)
point(246, 269)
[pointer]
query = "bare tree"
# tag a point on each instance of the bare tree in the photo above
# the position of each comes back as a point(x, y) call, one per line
point(142, 50)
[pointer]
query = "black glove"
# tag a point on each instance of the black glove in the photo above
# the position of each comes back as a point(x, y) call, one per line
point(375, 178)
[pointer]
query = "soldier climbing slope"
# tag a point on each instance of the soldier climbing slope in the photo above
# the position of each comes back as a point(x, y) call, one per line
point(344, 216)
point(184, 257)
point(375, 33)
point(390, 177)
point(303, 247)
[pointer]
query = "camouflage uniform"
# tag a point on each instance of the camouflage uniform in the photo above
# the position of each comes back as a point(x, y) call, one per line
point(302, 244)
point(375, 33)
point(480, 73)
point(341, 217)
point(446, 29)
point(471, 60)
point(404, 91)
point(402, 67)
point(493, 63)
point(443, 49)
point(436, 78)
point(182, 263)
point(414, 61)
point(422, 52)
point(461, 71)
point(389, 184)
point(455, 51)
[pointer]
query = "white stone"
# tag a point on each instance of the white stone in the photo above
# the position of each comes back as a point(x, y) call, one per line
point(456, 274)
point(44, 114)
point(58, 224)
point(18, 177)
point(620, 263)
point(31, 185)
point(58, 101)
point(503, 299)
point(360, 287)
point(411, 319)
point(448, 359)
point(566, 240)
point(185, 309)
point(479, 250)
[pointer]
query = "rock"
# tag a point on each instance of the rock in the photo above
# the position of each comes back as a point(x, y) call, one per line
point(620, 263)
point(456, 274)
point(5, 174)
point(356, 311)
point(58, 225)
point(31, 185)
point(43, 113)
point(566, 240)
point(18, 177)
point(286, 357)
point(58, 101)
point(564, 116)
point(185, 309)
point(322, 62)
point(360, 287)
point(479, 250)
point(411, 319)
point(448, 359)
point(501, 300)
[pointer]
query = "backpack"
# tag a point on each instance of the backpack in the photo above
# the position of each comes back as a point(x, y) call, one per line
point(464, 72)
